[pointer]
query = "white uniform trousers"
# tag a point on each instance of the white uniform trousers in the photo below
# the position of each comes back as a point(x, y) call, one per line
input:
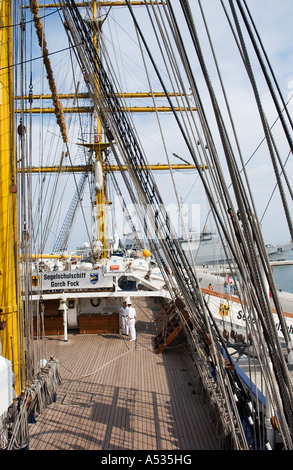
point(132, 328)
point(123, 319)
point(131, 320)
point(125, 326)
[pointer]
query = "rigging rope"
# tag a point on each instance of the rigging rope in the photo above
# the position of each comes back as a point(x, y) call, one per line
point(166, 152)
point(260, 299)
point(250, 32)
point(266, 128)
point(39, 394)
point(116, 123)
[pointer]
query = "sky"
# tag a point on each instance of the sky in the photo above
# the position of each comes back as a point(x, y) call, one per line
point(273, 20)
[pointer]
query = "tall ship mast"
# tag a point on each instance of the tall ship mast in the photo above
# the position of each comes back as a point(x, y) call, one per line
point(11, 309)
point(81, 168)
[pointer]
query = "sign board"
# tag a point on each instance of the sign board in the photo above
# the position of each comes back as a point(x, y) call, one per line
point(67, 280)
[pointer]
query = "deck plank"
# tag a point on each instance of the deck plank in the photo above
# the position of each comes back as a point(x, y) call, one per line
point(121, 395)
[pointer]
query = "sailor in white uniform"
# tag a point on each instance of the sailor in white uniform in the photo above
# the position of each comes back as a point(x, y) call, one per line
point(131, 320)
point(124, 317)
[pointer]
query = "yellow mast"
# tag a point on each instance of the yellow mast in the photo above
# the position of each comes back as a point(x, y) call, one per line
point(89, 109)
point(100, 191)
point(83, 168)
point(11, 312)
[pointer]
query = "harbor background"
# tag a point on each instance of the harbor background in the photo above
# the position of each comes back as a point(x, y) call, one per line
point(283, 275)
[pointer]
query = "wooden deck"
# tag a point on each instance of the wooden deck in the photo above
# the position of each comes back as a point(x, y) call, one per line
point(121, 395)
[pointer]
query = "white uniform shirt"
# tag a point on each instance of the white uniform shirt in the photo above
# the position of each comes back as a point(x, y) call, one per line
point(132, 313)
point(124, 311)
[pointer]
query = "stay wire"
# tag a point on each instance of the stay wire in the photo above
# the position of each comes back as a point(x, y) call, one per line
point(279, 110)
point(263, 119)
point(164, 40)
point(265, 71)
point(256, 278)
point(276, 354)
